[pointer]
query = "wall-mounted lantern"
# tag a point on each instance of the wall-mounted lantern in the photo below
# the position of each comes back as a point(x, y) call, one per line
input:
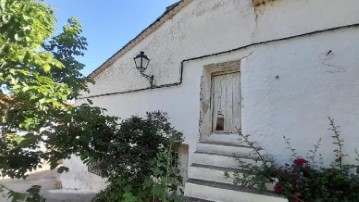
point(141, 62)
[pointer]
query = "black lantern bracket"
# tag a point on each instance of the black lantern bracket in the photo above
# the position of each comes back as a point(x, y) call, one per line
point(141, 62)
point(149, 77)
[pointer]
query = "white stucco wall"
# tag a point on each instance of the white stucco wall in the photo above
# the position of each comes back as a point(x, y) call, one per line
point(78, 178)
point(209, 26)
point(318, 77)
point(317, 74)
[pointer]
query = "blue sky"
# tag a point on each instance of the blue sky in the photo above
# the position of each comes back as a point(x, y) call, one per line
point(108, 24)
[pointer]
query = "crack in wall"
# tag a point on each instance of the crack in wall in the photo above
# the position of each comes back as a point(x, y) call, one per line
point(256, 16)
point(325, 60)
point(257, 3)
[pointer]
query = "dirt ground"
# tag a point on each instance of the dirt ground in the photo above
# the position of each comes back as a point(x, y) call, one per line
point(50, 187)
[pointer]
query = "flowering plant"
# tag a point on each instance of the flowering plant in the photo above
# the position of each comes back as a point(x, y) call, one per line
point(303, 180)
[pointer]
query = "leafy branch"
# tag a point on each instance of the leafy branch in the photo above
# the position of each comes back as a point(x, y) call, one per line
point(31, 195)
point(314, 151)
point(252, 144)
point(290, 147)
point(338, 142)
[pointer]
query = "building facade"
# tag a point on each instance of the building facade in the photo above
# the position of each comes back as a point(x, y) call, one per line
point(268, 67)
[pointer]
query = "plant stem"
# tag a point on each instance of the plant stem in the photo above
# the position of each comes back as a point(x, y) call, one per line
point(255, 149)
point(338, 142)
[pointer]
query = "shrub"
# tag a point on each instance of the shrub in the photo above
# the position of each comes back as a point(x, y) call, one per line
point(32, 194)
point(303, 180)
point(139, 161)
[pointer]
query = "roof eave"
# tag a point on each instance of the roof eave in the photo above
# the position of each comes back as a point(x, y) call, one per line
point(170, 12)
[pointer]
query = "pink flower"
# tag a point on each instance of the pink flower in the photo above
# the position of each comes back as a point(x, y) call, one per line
point(300, 161)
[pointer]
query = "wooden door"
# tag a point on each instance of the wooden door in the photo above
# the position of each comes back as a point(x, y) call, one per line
point(226, 99)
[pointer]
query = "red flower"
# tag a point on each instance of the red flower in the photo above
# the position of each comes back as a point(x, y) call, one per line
point(300, 161)
point(278, 188)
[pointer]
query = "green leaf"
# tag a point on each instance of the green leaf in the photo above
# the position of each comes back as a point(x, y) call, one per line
point(26, 17)
point(21, 56)
point(17, 37)
point(25, 88)
point(27, 29)
point(90, 101)
point(5, 18)
point(42, 100)
point(3, 5)
point(46, 67)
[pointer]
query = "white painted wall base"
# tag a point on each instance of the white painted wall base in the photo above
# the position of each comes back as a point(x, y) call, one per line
point(78, 177)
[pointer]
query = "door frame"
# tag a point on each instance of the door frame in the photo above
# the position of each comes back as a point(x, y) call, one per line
point(205, 123)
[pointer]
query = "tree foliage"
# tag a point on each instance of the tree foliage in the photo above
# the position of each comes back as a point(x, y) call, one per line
point(39, 72)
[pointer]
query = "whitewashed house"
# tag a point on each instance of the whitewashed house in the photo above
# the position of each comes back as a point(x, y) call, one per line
point(270, 67)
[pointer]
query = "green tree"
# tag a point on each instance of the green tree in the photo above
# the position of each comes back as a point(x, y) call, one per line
point(39, 73)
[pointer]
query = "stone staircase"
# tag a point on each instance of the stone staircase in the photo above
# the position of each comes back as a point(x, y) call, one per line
point(206, 180)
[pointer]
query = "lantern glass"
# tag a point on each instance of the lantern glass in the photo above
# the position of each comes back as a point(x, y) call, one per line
point(138, 62)
point(145, 62)
point(141, 61)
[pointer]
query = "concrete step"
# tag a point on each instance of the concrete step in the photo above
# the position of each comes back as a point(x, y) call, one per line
point(191, 199)
point(217, 174)
point(222, 160)
point(227, 148)
point(222, 192)
point(68, 195)
point(212, 173)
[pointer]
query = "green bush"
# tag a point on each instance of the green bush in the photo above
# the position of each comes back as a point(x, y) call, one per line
point(139, 161)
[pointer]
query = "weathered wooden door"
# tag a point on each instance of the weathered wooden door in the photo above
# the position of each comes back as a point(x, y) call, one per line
point(226, 99)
